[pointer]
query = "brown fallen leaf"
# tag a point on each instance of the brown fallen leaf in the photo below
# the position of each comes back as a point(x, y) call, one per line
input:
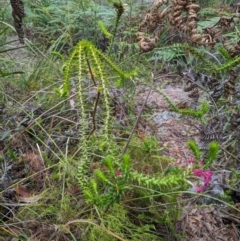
point(24, 196)
point(21, 191)
point(182, 105)
point(31, 199)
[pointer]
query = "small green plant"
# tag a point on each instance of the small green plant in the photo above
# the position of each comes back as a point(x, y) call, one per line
point(86, 58)
point(211, 156)
point(201, 164)
point(120, 8)
point(163, 183)
point(199, 113)
point(113, 183)
point(195, 149)
point(109, 187)
point(235, 179)
point(150, 145)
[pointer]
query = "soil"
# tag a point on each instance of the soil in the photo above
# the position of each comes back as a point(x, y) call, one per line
point(172, 130)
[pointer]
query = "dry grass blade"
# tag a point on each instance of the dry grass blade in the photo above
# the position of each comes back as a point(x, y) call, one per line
point(95, 224)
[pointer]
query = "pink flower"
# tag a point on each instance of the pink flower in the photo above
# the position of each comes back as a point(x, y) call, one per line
point(191, 160)
point(198, 172)
point(198, 189)
point(207, 176)
point(204, 176)
point(118, 173)
point(200, 162)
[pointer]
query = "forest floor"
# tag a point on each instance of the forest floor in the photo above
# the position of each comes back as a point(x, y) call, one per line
point(202, 219)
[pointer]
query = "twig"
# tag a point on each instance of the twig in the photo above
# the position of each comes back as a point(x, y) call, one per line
point(229, 153)
point(96, 101)
point(141, 111)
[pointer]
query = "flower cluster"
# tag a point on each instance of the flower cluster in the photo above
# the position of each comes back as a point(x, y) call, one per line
point(205, 176)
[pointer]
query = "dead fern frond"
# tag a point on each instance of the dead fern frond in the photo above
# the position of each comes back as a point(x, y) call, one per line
point(213, 131)
point(183, 16)
point(145, 43)
point(18, 14)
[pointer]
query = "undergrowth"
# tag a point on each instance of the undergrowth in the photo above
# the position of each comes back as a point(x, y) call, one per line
point(74, 164)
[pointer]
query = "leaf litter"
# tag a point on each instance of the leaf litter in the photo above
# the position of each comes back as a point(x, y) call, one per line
point(199, 221)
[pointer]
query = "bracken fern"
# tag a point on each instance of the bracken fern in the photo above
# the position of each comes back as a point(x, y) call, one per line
point(204, 64)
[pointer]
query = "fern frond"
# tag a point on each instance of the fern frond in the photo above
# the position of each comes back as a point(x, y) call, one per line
point(187, 49)
point(209, 66)
point(123, 75)
point(194, 113)
point(228, 65)
point(223, 51)
point(104, 30)
point(163, 183)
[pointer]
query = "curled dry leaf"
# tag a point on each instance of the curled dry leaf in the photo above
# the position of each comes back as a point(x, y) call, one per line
point(31, 199)
point(183, 16)
point(24, 196)
point(21, 191)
